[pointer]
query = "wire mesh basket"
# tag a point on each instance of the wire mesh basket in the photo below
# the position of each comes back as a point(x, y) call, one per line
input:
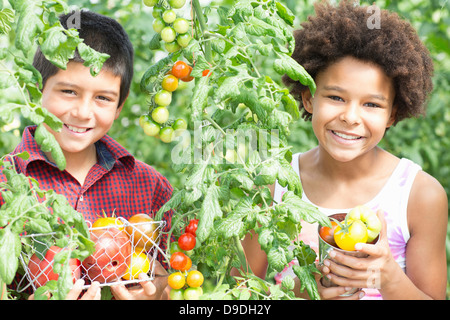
point(122, 252)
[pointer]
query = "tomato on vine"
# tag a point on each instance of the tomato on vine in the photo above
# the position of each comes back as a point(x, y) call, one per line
point(160, 114)
point(194, 279)
point(166, 134)
point(180, 69)
point(169, 83)
point(178, 260)
point(186, 241)
point(192, 227)
point(176, 280)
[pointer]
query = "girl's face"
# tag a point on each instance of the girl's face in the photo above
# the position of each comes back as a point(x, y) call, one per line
point(351, 109)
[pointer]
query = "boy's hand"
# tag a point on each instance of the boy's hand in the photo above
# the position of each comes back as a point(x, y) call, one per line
point(93, 293)
point(369, 272)
point(145, 290)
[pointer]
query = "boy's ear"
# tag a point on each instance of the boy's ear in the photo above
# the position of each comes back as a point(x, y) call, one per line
point(307, 100)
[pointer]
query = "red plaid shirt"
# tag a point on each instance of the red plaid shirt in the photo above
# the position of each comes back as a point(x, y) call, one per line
point(117, 182)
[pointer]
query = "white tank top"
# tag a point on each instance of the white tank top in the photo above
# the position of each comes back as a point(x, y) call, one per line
point(392, 199)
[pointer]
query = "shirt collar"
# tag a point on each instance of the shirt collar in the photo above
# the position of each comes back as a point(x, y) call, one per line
point(108, 152)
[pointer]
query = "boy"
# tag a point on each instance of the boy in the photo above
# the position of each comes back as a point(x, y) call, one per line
point(100, 174)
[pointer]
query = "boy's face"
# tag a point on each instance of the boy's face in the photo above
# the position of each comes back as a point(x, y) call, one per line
point(352, 107)
point(86, 105)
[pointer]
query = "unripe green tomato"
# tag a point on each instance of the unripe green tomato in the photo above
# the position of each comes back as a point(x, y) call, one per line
point(163, 98)
point(181, 25)
point(177, 4)
point(157, 11)
point(169, 16)
point(176, 294)
point(168, 34)
point(192, 293)
point(158, 24)
point(172, 46)
point(184, 39)
point(151, 3)
point(166, 134)
point(160, 114)
point(151, 128)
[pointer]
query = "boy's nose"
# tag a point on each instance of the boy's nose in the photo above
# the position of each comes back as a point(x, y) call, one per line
point(83, 110)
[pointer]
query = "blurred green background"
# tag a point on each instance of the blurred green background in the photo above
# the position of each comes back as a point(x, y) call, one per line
point(425, 140)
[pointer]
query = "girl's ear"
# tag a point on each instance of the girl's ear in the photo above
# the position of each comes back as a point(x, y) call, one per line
point(307, 100)
point(392, 117)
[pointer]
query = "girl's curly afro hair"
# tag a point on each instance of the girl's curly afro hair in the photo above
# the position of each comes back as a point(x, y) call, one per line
point(337, 32)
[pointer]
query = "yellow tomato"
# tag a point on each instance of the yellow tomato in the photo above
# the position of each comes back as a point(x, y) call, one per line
point(108, 222)
point(139, 264)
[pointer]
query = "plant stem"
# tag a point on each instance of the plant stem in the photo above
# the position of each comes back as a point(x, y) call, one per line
point(241, 255)
point(204, 28)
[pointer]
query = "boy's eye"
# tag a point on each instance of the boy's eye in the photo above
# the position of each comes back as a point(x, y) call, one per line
point(68, 91)
point(103, 98)
point(335, 98)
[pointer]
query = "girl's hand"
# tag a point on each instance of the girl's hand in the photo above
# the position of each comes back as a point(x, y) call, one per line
point(335, 293)
point(370, 272)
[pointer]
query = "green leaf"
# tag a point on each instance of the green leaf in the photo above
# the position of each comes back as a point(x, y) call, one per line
point(285, 13)
point(304, 254)
point(286, 65)
point(300, 210)
point(92, 59)
point(29, 25)
point(200, 98)
point(48, 143)
point(307, 280)
point(148, 80)
point(209, 211)
point(6, 19)
point(58, 45)
point(9, 254)
point(276, 258)
point(288, 177)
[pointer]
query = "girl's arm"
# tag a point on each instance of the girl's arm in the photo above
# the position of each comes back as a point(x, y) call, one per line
point(426, 263)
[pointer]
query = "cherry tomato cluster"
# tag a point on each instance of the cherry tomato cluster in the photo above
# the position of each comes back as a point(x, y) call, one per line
point(156, 122)
point(185, 284)
point(172, 29)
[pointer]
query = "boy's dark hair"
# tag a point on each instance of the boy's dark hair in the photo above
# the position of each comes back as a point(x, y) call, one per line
point(337, 32)
point(104, 35)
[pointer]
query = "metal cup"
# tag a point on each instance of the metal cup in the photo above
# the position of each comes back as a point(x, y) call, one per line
point(325, 248)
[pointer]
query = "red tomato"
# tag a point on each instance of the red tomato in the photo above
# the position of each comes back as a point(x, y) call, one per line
point(206, 72)
point(178, 260)
point(112, 255)
point(41, 271)
point(188, 77)
point(186, 241)
point(327, 234)
point(180, 69)
point(192, 227)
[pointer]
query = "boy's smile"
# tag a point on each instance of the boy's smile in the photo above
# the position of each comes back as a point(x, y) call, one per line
point(86, 105)
point(352, 107)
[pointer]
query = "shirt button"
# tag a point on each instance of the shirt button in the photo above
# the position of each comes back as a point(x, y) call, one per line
point(81, 197)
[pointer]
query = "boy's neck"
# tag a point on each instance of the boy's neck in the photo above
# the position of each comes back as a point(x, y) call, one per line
point(78, 164)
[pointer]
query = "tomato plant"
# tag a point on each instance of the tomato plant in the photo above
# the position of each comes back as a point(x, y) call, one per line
point(227, 186)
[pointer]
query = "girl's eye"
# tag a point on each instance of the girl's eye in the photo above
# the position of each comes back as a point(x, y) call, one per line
point(372, 105)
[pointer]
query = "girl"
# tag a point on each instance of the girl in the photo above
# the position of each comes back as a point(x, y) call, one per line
point(368, 79)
